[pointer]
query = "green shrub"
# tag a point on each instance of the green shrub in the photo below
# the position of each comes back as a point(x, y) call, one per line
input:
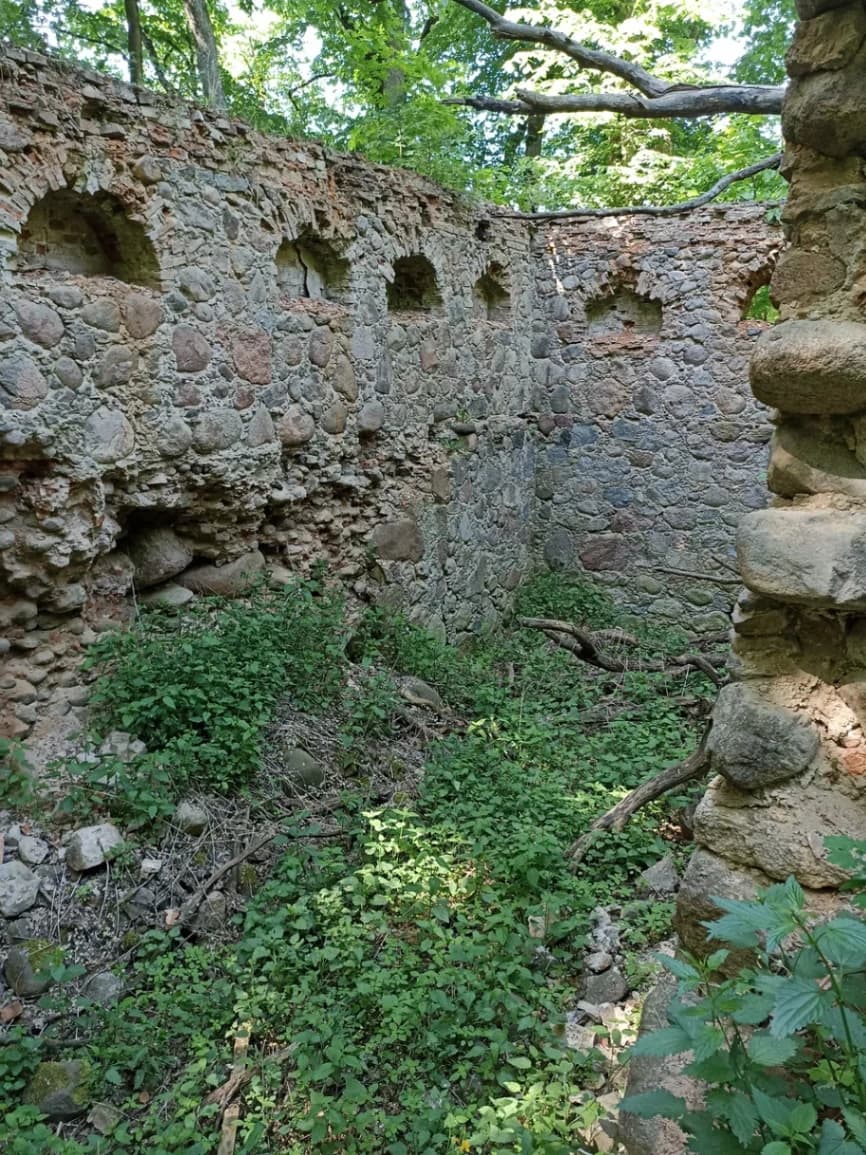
point(199, 690)
point(781, 1043)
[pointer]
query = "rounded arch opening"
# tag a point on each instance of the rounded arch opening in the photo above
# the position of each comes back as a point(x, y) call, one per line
point(89, 234)
point(414, 287)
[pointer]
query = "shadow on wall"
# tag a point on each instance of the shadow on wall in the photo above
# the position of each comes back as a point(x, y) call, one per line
point(88, 234)
point(491, 295)
point(623, 311)
point(414, 287)
point(311, 267)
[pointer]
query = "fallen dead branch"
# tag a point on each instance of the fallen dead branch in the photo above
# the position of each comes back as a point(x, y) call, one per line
point(695, 766)
point(584, 646)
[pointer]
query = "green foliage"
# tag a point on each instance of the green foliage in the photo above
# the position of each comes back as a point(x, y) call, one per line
point(199, 691)
point(392, 965)
point(780, 1043)
point(16, 784)
point(761, 308)
point(374, 77)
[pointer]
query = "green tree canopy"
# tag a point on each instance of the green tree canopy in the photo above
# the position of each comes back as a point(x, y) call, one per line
point(439, 85)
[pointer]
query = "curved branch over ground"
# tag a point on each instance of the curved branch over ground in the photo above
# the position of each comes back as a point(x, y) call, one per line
point(714, 191)
point(584, 646)
point(695, 766)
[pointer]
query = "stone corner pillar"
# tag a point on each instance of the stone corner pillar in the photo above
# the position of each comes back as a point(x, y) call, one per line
point(788, 743)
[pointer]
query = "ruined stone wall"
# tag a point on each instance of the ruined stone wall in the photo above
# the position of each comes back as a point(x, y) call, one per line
point(221, 351)
point(213, 343)
point(788, 740)
point(653, 446)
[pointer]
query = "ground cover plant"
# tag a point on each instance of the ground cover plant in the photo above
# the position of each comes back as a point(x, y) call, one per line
point(405, 971)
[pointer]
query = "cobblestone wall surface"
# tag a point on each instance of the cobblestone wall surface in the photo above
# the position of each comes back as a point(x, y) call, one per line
point(221, 352)
point(653, 447)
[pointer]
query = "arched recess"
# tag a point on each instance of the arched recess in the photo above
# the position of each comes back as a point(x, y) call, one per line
point(623, 310)
point(414, 287)
point(89, 234)
point(491, 296)
point(310, 266)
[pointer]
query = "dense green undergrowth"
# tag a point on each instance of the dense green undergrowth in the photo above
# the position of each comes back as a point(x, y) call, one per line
point(395, 969)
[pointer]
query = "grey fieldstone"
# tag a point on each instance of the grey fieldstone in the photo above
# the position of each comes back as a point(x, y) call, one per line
point(813, 557)
point(302, 768)
point(211, 915)
point(27, 966)
point(295, 427)
point(103, 988)
point(371, 417)
point(171, 595)
point(60, 1091)
point(661, 877)
point(607, 986)
point(190, 817)
point(218, 429)
point(32, 851)
point(398, 540)
point(419, 693)
point(39, 323)
point(19, 888)
point(227, 581)
point(598, 961)
point(89, 847)
point(192, 350)
point(754, 743)
point(158, 554)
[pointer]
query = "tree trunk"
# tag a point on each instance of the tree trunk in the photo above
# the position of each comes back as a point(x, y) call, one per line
point(135, 50)
point(207, 55)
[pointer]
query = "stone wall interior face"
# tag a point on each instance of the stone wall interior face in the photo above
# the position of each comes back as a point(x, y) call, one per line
point(652, 449)
point(788, 738)
point(220, 351)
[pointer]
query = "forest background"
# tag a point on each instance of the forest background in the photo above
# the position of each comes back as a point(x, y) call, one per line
point(376, 77)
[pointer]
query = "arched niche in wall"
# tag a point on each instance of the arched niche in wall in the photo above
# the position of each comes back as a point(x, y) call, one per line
point(310, 266)
point(623, 310)
point(89, 234)
point(414, 287)
point(491, 297)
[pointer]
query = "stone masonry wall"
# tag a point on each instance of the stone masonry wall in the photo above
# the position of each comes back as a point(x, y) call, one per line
point(653, 447)
point(221, 351)
point(788, 742)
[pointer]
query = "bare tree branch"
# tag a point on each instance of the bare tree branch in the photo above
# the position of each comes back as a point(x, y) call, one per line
point(584, 646)
point(695, 766)
point(586, 57)
point(656, 210)
point(753, 100)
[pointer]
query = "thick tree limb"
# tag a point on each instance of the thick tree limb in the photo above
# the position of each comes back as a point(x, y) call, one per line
point(656, 210)
point(681, 99)
point(503, 29)
point(711, 100)
point(583, 646)
point(616, 818)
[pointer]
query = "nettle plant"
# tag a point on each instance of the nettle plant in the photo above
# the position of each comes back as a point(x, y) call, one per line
point(781, 1045)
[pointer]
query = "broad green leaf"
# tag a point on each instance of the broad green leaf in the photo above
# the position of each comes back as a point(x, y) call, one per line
point(798, 1002)
point(775, 1112)
point(676, 966)
point(769, 1051)
point(652, 1103)
point(856, 1124)
point(665, 1041)
point(843, 940)
point(803, 1119)
point(834, 1142)
point(777, 1147)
